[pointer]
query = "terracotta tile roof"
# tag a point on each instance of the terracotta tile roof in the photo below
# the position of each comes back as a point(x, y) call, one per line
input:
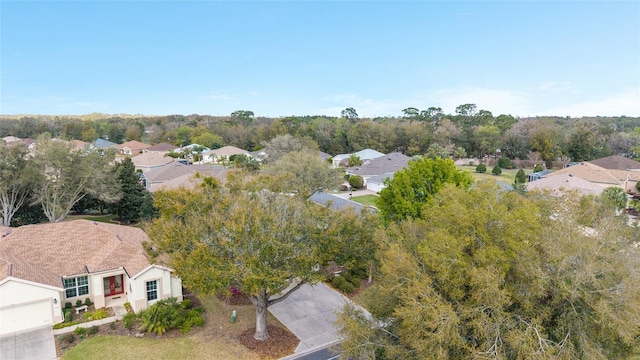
point(616, 162)
point(589, 172)
point(46, 252)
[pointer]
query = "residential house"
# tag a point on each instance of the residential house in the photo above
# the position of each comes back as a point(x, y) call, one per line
point(376, 183)
point(616, 162)
point(559, 185)
point(131, 148)
point(626, 179)
point(336, 202)
point(44, 266)
point(103, 144)
point(380, 167)
point(364, 155)
point(148, 161)
point(175, 175)
point(222, 154)
point(161, 148)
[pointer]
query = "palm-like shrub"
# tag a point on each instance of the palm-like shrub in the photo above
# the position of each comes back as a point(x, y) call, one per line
point(169, 314)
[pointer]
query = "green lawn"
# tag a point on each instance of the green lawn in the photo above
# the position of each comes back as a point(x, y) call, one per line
point(365, 199)
point(507, 176)
point(216, 340)
point(100, 218)
point(125, 348)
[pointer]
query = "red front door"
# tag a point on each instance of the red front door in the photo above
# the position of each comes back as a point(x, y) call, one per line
point(113, 285)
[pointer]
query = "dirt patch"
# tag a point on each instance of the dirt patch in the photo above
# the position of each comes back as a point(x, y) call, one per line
point(235, 300)
point(281, 342)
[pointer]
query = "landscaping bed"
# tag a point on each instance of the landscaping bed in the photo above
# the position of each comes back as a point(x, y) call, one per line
point(217, 339)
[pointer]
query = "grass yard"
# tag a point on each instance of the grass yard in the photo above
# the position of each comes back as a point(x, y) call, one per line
point(507, 176)
point(218, 339)
point(99, 218)
point(365, 199)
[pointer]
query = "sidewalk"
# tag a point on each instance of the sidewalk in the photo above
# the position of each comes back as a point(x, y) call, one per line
point(119, 310)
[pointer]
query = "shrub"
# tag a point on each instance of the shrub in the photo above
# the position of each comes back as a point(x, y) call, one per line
point(521, 177)
point(78, 302)
point(348, 288)
point(162, 316)
point(127, 306)
point(340, 283)
point(504, 163)
point(496, 170)
point(538, 168)
point(128, 320)
point(67, 316)
point(112, 326)
point(87, 302)
point(96, 315)
point(80, 330)
point(93, 330)
point(68, 305)
point(185, 304)
point(67, 338)
point(482, 168)
point(356, 181)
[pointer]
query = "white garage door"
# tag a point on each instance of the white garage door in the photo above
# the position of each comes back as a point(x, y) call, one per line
point(25, 316)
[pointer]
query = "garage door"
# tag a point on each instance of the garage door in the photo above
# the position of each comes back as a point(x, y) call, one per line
point(25, 316)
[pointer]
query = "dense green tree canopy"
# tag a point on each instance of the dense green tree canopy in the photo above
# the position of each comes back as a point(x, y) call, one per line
point(493, 274)
point(412, 187)
point(302, 173)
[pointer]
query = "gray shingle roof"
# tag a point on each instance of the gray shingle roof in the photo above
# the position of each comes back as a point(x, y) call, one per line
point(389, 163)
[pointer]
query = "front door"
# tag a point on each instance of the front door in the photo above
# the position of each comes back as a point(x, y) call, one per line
point(113, 285)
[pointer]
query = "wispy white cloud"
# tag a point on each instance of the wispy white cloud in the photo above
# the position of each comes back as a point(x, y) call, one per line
point(626, 103)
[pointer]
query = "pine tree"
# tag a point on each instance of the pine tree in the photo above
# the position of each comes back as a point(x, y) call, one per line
point(130, 207)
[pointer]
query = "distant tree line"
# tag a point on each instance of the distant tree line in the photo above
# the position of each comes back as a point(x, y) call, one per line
point(468, 132)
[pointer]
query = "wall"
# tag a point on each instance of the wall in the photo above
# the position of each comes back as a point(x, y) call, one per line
point(25, 305)
point(166, 287)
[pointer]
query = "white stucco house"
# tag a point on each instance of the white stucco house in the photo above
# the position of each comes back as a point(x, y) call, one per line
point(364, 155)
point(45, 265)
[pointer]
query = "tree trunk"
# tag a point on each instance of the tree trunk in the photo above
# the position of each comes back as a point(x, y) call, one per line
point(261, 318)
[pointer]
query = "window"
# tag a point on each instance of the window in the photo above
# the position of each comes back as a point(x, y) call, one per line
point(76, 286)
point(152, 290)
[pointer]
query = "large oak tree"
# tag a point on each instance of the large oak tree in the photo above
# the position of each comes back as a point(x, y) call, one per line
point(265, 243)
point(493, 274)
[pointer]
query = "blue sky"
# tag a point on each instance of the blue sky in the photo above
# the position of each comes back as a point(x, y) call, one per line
point(281, 58)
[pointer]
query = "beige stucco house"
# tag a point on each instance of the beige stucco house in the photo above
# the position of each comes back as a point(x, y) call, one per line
point(45, 265)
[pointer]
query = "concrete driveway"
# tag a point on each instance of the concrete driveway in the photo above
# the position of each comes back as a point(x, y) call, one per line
point(310, 313)
point(36, 344)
